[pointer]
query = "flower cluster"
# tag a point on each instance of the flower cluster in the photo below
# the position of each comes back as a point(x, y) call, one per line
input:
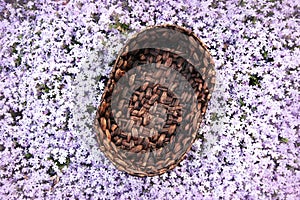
point(55, 57)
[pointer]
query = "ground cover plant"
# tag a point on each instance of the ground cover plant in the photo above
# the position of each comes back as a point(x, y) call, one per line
point(55, 57)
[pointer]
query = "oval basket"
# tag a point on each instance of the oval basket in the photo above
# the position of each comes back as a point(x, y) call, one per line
point(154, 100)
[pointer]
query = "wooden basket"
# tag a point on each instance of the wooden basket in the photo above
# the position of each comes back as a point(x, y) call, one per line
point(154, 101)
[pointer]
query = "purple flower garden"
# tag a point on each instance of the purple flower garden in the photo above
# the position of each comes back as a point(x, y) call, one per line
point(55, 58)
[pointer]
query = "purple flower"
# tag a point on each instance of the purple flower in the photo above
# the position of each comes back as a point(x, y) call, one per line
point(52, 58)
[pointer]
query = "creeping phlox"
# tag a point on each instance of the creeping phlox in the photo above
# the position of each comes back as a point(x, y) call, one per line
point(55, 58)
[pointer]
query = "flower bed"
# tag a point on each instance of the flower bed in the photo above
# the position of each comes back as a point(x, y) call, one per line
point(55, 58)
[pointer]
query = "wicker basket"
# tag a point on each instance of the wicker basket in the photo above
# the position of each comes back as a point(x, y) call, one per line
point(154, 101)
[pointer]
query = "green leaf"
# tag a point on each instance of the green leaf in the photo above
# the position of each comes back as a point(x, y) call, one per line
point(283, 140)
point(214, 117)
point(28, 155)
point(254, 80)
point(242, 103)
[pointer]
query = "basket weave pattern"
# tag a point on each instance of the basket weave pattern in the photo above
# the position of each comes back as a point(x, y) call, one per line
point(144, 127)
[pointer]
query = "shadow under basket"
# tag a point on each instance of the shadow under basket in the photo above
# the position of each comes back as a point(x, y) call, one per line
point(154, 100)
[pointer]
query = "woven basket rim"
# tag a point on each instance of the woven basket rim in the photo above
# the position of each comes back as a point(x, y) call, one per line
point(185, 30)
point(96, 122)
